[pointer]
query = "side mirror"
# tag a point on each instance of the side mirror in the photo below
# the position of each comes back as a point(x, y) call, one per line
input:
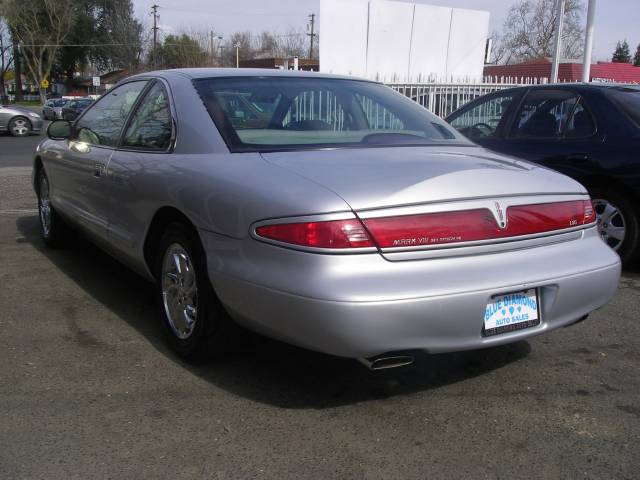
point(59, 130)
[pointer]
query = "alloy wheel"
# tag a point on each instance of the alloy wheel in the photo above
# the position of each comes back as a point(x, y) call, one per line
point(20, 127)
point(44, 205)
point(611, 223)
point(179, 291)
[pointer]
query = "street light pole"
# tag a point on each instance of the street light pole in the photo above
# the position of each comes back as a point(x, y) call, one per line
point(237, 45)
point(558, 47)
point(588, 41)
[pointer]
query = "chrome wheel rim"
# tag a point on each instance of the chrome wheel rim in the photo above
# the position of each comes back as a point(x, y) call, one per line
point(20, 126)
point(44, 206)
point(179, 291)
point(611, 224)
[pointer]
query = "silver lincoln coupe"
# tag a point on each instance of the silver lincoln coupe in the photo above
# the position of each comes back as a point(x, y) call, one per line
point(329, 212)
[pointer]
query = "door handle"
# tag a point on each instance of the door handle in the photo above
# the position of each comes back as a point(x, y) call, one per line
point(100, 169)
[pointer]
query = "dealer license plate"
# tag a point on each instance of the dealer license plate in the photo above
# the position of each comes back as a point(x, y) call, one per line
point(512, 311)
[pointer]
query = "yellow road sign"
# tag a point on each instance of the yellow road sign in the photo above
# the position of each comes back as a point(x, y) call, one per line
point(44, 84)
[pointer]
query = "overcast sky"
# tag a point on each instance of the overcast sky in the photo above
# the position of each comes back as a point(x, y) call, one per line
point(615, 19)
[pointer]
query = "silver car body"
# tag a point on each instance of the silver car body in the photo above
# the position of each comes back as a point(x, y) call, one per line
point(9, 112)
point(349, 304)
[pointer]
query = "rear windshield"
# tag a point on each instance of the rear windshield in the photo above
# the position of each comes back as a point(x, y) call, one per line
point(628, 100)
point(293, 113)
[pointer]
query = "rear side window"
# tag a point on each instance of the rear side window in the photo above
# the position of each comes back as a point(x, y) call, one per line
point(294, 113)
point(627, 99)
point(544, 114)
point(581, 123)
point(150, 125)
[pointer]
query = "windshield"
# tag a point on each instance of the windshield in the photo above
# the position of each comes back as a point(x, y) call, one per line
point(628, 100)
point(293, 113)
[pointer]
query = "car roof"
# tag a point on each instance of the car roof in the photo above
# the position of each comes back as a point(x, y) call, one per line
point(195, 73)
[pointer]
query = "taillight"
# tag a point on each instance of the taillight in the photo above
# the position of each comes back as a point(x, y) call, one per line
point(479, 224)
point(589, 212)
point(330, 234)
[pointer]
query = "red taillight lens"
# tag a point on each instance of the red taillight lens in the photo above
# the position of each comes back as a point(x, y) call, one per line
point(331, 234)
point(472, 225)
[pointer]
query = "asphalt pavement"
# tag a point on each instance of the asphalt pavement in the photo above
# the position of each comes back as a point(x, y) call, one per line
point(88, 388)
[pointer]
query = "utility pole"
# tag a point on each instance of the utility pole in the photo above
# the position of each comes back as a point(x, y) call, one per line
point(154, 12)
point(311, 34)
point(558, 47)
point(588, 41)
point(211, 47)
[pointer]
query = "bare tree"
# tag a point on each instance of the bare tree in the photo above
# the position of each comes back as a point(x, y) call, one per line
point(6, 57)
point(245, 48)
point(529, 30)
point(293, 43)
point(40, 26)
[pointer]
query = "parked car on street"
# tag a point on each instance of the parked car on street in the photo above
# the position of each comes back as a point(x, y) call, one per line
point(350, 221)
point(52, 109)
point(73, 108)
point(590, 132)
point(19, 121)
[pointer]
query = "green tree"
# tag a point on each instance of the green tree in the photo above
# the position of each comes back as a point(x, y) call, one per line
point(636, 57)
point(117, 27)
point(621, 54)
point(74, 56)
point(178, 51)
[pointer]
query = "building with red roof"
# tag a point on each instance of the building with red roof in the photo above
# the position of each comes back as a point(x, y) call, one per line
point(570, 71)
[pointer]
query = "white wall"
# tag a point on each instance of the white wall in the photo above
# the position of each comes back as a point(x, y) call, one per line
point(430, 41)
point(345, 41)
point(389, 37)
point(467, 40)
point(401, 41)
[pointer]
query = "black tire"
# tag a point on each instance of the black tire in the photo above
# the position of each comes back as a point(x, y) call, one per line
point(56, 233)
point(213, 331)
point(20, 126)
point(629, 249)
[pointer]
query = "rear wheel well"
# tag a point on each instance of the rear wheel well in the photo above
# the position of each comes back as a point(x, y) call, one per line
point(161, 219)
point(609, 183)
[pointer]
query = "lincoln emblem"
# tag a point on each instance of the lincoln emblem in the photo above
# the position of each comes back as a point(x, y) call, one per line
point(503, 223)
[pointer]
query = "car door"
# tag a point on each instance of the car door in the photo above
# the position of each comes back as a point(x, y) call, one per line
point(485, 120)
point(555, 128)
point(77, 167)
point(143, 151)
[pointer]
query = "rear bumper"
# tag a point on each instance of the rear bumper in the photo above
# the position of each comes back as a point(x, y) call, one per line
point(363, 305)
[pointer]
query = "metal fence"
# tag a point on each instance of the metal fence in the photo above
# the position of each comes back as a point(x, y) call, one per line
point(444, 98)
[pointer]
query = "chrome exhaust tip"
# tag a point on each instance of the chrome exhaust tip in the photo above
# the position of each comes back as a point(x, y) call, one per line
point(383, 362)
